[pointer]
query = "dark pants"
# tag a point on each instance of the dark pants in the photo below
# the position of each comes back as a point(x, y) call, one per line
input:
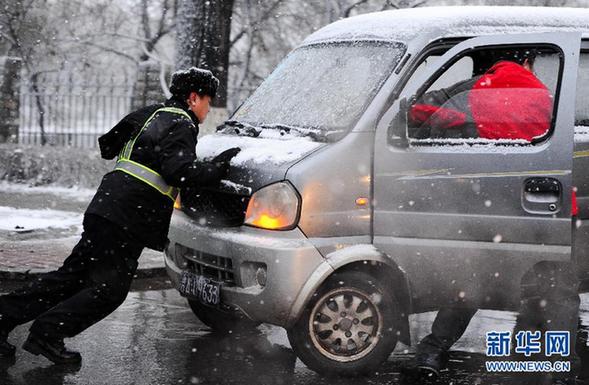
point(93, 281)
point(448, 327)
point(549, 301)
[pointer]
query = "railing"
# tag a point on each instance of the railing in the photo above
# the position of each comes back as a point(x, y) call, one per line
point(65, 110)
point(71, 112)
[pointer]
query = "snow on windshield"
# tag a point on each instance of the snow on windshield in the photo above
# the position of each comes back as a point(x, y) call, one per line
point(323, 86)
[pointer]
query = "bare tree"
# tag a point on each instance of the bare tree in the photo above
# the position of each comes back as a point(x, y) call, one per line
point(26, 34)
point(163, 25)
point(204, 39)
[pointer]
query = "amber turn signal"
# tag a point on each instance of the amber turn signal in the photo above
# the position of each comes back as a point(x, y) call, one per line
point(273, 207)
point(361, 201)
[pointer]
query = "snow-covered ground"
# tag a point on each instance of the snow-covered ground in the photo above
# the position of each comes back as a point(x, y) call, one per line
point(44, 212)
point(39, 226)
point(77, 193)
point(20, 220)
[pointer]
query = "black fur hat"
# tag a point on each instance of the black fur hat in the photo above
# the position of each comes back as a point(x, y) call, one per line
point(198, 80)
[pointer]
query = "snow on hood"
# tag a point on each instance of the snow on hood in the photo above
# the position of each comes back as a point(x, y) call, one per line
point(406, 24)
point(256, 150)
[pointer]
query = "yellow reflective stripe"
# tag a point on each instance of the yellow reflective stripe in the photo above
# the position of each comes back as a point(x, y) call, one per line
point(142, 166)
point(165, 188)
point(131, 143)
point(157, 181)
point(145, 181)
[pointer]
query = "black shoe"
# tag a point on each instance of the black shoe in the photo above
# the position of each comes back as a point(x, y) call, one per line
point(54, 351)
point(6, 348)
point(430, 364)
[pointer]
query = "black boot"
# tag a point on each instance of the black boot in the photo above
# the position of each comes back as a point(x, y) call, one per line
point(6, 349)
point(429, 364)
point(53, 350)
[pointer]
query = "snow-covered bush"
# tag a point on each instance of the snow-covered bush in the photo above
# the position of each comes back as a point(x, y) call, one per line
point(59, 166)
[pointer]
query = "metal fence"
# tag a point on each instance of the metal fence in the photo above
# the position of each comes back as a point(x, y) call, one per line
point(69, 111)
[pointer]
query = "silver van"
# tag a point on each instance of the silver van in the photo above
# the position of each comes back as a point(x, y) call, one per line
point(339, 218)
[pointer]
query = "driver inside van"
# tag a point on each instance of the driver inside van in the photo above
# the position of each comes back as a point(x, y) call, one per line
point(505, 87)
point(507, 101)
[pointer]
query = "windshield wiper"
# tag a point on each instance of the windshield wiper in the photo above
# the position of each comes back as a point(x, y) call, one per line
point(240, 127)
point(312, 133)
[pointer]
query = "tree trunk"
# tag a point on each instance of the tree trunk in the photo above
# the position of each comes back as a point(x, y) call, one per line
point(203, 39)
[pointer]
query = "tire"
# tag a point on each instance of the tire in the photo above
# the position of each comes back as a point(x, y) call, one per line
point(367, 322)
point(221, 322)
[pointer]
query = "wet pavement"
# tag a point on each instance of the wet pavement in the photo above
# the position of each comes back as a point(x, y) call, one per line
point(154, 338)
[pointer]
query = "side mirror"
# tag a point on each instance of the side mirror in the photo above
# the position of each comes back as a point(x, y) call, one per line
point(398, 127)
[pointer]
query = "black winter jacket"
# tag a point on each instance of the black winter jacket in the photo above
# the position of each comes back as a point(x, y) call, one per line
point(167, 146)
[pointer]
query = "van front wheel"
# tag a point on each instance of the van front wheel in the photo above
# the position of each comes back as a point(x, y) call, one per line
point(347, 328)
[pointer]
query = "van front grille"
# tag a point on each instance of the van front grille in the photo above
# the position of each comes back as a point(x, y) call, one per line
point(207, 265)
point(214, 208)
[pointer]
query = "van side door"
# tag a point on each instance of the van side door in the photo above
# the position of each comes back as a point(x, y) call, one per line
point(466, 212)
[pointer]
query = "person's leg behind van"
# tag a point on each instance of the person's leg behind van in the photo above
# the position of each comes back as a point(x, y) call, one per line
point(449, 325)
point(549, 302)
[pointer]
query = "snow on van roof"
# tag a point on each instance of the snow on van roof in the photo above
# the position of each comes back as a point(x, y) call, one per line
point(406, 24)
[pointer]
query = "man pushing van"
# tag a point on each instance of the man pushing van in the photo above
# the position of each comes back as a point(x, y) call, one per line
point(131, 210)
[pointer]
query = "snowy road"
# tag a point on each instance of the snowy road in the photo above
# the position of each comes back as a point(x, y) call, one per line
point(154, 338)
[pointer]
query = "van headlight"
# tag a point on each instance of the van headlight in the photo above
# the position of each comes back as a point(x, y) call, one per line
point(274, 207)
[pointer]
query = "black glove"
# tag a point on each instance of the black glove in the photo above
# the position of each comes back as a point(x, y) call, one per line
point(222, 169)
point(222, 160)
point(226, 155)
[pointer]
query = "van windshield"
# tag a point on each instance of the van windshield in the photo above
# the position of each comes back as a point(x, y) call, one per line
point(321, 89)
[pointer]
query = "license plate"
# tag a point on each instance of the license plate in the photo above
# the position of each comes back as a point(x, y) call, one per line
point(204, 289)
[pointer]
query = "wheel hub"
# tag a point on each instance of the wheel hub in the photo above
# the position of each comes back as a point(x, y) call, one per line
point(345, 324)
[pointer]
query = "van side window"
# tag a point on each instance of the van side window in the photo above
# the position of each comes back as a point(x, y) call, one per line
point(582, 101)
point(488, 96)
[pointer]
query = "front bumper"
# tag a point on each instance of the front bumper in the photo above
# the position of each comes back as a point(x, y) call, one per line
point(236, 255)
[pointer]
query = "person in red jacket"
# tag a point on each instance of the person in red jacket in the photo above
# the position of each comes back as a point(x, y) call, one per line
point(507, 102)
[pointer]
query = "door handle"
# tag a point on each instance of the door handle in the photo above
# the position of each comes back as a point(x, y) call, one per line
point(542, 195)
